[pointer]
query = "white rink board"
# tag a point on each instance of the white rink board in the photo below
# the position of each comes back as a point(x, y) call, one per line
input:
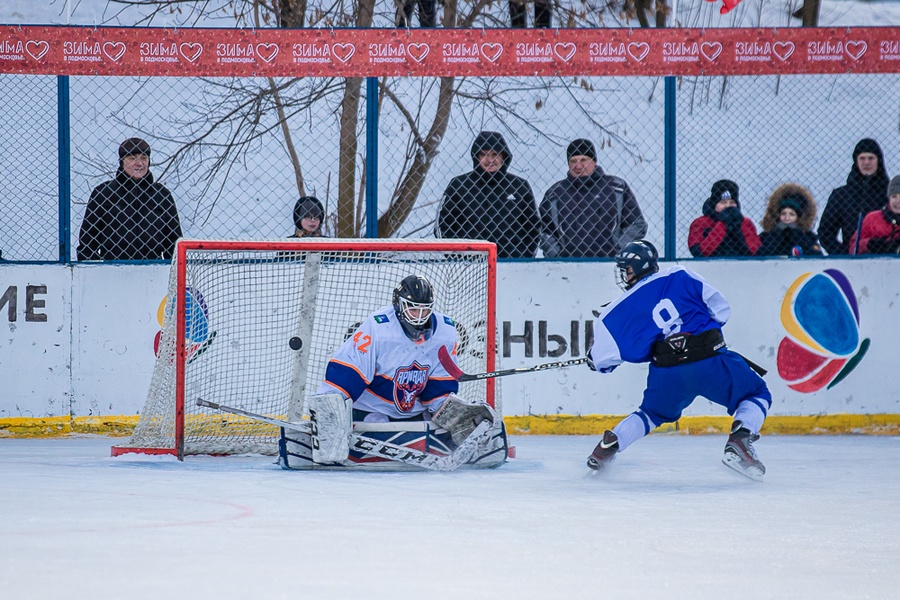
point(94, 353)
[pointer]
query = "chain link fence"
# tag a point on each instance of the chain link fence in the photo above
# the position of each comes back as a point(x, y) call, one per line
point(237, 154)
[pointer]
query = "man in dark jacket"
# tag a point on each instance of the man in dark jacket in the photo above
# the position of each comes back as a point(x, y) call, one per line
point(489, 203)
point(864, 192)
point(588, 213)
point(130, 217)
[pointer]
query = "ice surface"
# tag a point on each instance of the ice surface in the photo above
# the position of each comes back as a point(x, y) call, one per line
point(668, 521)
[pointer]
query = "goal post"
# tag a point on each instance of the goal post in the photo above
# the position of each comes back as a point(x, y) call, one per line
point(252, 324)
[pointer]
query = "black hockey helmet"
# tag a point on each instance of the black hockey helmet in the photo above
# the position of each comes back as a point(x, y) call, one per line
point(641, 257)
point(413, 303)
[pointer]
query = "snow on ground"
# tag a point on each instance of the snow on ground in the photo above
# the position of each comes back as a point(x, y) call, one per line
point(669, 521)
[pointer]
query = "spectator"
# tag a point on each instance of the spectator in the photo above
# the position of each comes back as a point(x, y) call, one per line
point(427, 13)
point(489, 203)
point(880, 232)
point(847, 205)
point(588, 213)
point(130, 217)
point(308, 216)
point(543, 14)
point(723, 230)
point(787, 224)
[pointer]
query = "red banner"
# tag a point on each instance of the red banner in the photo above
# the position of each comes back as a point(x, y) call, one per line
point(445, 52)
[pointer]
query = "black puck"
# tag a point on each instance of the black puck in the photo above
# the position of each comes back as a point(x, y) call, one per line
point(295, 343)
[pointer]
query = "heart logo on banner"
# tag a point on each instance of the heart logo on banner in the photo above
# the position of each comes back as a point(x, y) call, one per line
point(191, 51)
point(855, 50)
point(267, 52)
point(711, 50)
point(343, 52)
point(37, 50)
point(783, 50)
point(638, 50)
point(114, 50)
point(418, 51)
point(564, 50)
point(492, 51)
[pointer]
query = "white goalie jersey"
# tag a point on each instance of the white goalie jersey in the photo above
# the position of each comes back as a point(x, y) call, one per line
point(385, 372)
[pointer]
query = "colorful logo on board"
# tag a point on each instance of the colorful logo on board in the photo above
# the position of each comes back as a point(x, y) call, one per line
point(198, 336)
point(822, 346)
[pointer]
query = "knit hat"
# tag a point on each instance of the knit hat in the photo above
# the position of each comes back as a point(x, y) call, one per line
point(581, 147)
point(307, 206)
point(133, 146)
point(867, 145)
point(796, 202)
point(894, 186)
point(722, 190)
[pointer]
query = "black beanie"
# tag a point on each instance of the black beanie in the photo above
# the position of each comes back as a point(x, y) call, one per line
point(724, 188)
point(307, 206)
point(581, 147)
point(867, 145)
point(793, 201)
point(133, 146)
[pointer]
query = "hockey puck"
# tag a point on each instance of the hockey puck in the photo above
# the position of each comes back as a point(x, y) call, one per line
point(295, 343)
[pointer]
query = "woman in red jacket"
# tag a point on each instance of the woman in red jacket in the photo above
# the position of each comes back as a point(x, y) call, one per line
point(723, 230)
point(880, 233)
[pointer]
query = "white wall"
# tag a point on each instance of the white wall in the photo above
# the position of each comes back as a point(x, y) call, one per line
point(85, 345)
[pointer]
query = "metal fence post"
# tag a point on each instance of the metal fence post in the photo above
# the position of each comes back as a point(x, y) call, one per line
point(371, 157)
point(64, 161)
point(670, 172)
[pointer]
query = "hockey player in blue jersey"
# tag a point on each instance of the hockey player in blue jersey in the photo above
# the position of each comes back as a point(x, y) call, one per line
point(673, 319)
point(389, 367)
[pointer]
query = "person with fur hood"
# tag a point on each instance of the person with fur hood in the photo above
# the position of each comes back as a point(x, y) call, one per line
point(787, 226)
point(723, 230)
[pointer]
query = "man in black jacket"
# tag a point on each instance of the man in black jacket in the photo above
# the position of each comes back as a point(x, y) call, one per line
point(130, 217)
point(489, 203)
point(589, 213)
point(864, 192)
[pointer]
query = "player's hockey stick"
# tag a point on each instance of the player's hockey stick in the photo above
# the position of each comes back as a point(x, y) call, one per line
point(373, 447)
point(456, 372)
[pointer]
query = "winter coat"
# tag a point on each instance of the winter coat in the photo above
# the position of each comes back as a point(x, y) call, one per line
point(880, 233)
point(798, 238)
point(129, 219)
point(498, 207)
point(710, 236)
point(849, 203)
point(592, 216)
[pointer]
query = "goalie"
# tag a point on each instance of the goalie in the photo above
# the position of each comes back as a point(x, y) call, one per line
point(390, 369)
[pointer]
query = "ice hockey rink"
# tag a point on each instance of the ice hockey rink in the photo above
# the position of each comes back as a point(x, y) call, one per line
point(668, 521)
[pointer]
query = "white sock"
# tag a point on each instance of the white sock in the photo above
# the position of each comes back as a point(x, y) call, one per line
point(750, 415)
point(629, 430)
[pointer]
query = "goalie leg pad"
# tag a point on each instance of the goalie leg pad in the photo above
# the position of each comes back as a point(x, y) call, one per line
point(331, 417)
point(295, 450)
point(460, 417)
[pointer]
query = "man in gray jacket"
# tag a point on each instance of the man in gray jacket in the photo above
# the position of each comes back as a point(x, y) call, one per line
point(589, 213)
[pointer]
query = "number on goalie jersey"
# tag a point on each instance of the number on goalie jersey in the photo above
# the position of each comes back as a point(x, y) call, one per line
point(389, 367)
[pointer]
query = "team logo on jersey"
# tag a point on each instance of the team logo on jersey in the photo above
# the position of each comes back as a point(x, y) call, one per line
point(449, 321)
point(822, 346)
point(381, 319)
point(409, 383)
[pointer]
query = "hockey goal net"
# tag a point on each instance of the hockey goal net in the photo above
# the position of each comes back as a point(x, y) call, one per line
point(252, 324)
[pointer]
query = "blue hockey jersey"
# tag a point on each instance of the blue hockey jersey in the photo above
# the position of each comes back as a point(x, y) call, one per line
point(672, 301)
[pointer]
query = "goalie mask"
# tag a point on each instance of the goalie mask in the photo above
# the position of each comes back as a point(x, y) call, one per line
point(641, 257)
point(413, 303)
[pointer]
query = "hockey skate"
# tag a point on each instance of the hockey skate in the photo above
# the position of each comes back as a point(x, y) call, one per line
point(605, 452)
point(740, 455)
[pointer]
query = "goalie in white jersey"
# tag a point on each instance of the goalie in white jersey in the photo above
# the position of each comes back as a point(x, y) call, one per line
point(389, 367)
point(673, 319)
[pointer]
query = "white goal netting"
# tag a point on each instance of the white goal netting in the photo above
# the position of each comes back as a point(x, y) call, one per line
point(245, 305)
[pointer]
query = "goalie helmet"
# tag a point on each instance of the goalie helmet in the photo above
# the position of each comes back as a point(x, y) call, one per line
point(413, 303)
point(641, 257)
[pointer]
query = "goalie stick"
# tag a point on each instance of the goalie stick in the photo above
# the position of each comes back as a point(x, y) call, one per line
point(373, 447)
point(457, 373)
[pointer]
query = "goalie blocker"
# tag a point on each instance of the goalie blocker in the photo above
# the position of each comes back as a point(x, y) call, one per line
point(462, 435)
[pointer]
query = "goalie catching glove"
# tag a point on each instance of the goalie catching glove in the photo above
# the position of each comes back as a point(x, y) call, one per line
point(461, 418)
